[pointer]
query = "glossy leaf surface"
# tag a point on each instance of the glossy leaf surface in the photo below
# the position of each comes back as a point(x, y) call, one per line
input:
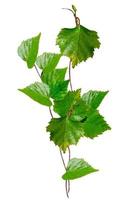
point(64, 132)
point(77, 43)
point(39, 92)
point(95, 125)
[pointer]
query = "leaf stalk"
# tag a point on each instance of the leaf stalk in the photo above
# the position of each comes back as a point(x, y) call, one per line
point(77, 19)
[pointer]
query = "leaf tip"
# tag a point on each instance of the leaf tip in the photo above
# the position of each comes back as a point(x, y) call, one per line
point(74, 8)
point(19, 89)
point(38, 35)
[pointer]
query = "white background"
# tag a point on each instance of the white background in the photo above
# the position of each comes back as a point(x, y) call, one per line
point(30, 165)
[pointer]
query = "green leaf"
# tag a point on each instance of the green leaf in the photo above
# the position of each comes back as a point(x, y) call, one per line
point(28, 50)
point(39, 92)
point(64, 107)
point(48, 60)
point(73, 107)
point(80, 111)
point(95, 125)
point(77, 43)
point(54, 76)
point(64, 132)
point(78, 119)
point(87, 104)
point(55, 80)
point(94, 98)
point(77, 168)
point(59, 90)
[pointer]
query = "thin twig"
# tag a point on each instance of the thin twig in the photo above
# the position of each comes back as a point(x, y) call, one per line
point(37, 71)
point(70, 75)
point(66, 186)
point(77, 20)
point(67, 182)
point(69, 10)
point(63, 160)
point(69, 153)
point(50, 112)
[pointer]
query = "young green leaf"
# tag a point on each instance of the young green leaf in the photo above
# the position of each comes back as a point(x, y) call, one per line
point(95, 125)
point(74, 8)
point(64, 107)
point(39, 92)
point(59, 90)
point(54, 76)
point(48, 60)
point(55, 80)
point(80, 111)
point(94, 98)
point(77, 168)
point(64, 132)
point(28, 50)
point(77, 43)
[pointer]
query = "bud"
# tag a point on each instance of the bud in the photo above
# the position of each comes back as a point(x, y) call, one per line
point(74, 8)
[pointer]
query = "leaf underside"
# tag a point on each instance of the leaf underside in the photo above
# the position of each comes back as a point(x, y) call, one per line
point(94, 98)
point(39, 92)
point(48, 60)
point(28, 50)
point(77, 168)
